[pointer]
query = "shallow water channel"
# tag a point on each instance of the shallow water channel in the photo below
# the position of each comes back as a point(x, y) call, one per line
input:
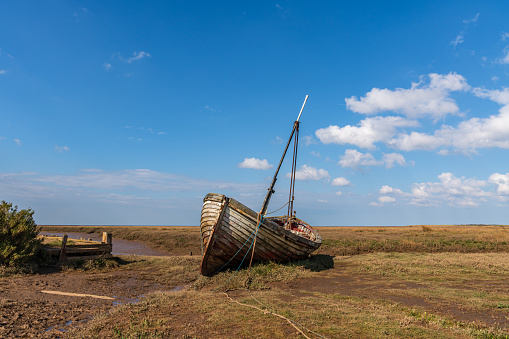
point(120, 246)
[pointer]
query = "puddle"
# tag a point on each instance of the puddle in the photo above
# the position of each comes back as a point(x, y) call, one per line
point(120, 246)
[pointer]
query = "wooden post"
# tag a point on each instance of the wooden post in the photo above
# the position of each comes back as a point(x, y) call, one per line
point(63, 253)
point(107, 238)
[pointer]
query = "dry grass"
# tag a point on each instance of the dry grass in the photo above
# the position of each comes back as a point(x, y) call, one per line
point(423, 238)
point(387, 282)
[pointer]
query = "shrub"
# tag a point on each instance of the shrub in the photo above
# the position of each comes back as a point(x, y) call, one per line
point(18, 235)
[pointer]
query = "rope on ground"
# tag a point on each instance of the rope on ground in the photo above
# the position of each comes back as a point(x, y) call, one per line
point(259, 302)
point(291, 322)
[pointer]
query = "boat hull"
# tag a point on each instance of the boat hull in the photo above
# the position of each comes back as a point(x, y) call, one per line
point(228, 228)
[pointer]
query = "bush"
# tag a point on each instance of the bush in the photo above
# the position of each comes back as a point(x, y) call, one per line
point(18, 236)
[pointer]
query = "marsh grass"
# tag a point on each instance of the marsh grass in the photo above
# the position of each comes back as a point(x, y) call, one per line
point(177, 315)
point(263, 273)
point(476, 281)
point(452, 268)
point(422, 238)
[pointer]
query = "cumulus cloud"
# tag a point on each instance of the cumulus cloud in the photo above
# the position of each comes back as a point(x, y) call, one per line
point(501, 181)
point(421, 100)
point(454, 191)
point(369, 131)
point(467, 137)
point(255, 164)
point(310, 173)
point(341, 181)
point(448, 190)
point(501, 97)
point(389, 190)
point(391, 158)
point(386, 199)
point(356, 159)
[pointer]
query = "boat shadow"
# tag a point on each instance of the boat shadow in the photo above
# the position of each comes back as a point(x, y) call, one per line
point(316, 263)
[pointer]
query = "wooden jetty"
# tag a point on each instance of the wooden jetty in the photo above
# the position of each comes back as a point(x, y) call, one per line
point(89, 250)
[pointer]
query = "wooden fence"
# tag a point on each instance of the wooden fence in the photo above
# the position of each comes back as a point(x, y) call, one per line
point(89, 251)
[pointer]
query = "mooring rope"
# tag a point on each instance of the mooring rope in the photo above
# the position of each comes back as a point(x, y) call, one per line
point(267, 311)
point(245, 255)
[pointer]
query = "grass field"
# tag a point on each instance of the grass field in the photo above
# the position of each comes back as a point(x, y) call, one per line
point(364, 282)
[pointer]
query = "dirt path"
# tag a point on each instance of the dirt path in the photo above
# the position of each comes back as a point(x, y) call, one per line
point(26, 312)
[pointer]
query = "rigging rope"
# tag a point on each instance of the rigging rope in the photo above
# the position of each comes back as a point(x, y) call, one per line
point(278, 208)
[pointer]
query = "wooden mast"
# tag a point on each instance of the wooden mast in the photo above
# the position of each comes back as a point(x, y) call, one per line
point(271, 188)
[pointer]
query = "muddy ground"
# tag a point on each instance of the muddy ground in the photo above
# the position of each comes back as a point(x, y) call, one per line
point(27, 312)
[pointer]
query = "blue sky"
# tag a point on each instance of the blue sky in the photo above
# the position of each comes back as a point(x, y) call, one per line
point(129, 112)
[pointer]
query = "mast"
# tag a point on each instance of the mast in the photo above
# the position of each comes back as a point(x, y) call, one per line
point(271, 187)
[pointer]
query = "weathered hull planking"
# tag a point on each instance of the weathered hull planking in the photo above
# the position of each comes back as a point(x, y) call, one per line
point(228, 227)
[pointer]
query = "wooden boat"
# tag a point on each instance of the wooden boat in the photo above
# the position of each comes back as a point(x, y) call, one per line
point(228, 228)
point(234, 235)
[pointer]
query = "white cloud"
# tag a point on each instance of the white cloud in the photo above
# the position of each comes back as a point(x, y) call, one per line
point(3, 71)
point(420, 100)
point(504, 36)
point(107, 66)
point(370, 131)
point(81, 13)
point(502, 182)
point(309, 140)
point(449, 190)
point(473, 20)
point(505, 58)
point(458, 40)
point(316, 154)
point(60, 149)
point(138, 56)
point(341, 181)
point(255, 164)
point(210, 108)
point(460, 192)
point(389, 190)
point(18, 142)
point(159, 190)
point(322, 201)
point(501, 97)
point(356, 159)
point(310, 173)
point(338, 193)
point(391, 158)
point(386, 199)
point(467, 137)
